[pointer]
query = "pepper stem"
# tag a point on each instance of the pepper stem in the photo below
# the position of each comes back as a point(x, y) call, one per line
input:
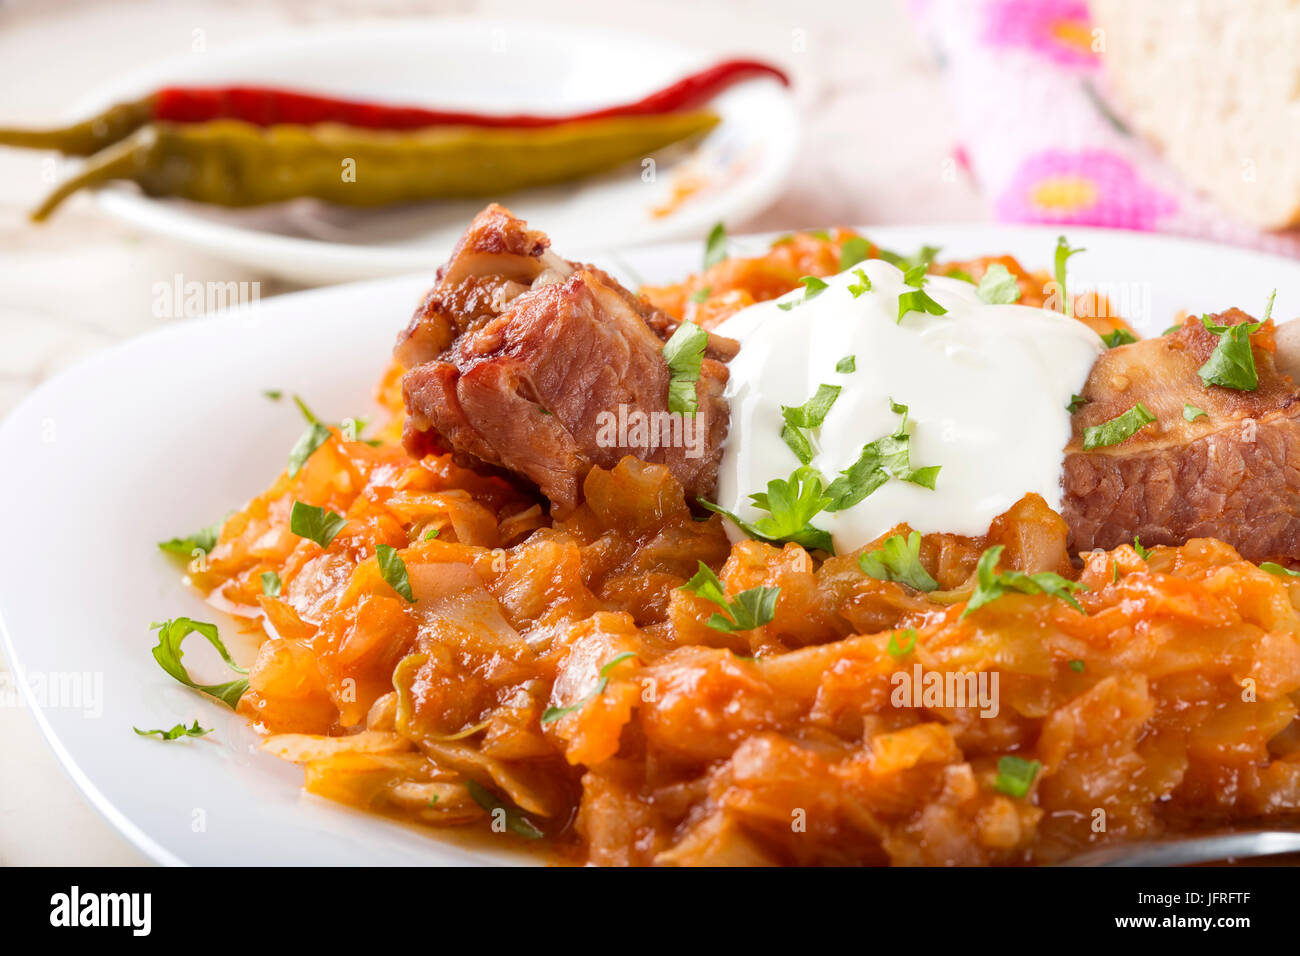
point(89, 136)
point(124, 160)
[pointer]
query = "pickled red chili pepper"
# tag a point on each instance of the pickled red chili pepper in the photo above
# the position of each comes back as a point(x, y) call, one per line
point(265, 107)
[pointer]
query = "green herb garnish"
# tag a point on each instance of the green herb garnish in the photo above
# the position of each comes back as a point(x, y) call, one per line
point(1078, 666)
point(715, 247)
point(1143, 553)
point(1120, 428)
point(515, 821)
point(205, 539)
point(898, 559)
point(271, 585)
point(1016, 775)
point(750, 609)
point(998, 286)
point(180, 730)
point(1076, 402)
point(1232, 363)
point(991, 584)
point(853, 251)
point(1191, 412)
point(896, 649)
point(684, 353)
point(791, 505)
point(862, 285)
point(918, 300)
point(880, 460)
point(168, 654)
point(923, 257)
point(1063, 253)
point(1117, 337)
point(847, 365)
point(393, 568)
point(316, 435)
point(810, 414)
point(1274, 568)
point(699, 295)
point(315, 524)
point(812, 288)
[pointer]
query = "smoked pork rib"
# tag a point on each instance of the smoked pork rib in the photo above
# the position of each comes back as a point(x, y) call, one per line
point(1232, 474)
point(520, 359)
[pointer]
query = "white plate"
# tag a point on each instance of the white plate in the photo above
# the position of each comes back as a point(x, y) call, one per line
point(164, 434)
point(484, 65)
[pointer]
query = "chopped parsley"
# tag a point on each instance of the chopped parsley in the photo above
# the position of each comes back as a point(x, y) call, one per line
point(791, 505)
point(1120, 428)
point(853, 251)
point(515, 821)
point(1232, 363)
point(715, 247)
point(1078, 666)
point(1143, 553)
point(552, 714)
point(847, 365)
point(1118, 337)
point(274, 394)
point(180, 730)
point(810, 414)
point(896, 649)
point(1274, 568)
point(271, 585)
point(684, 353)
point(316, 435)
point(923, 257)
point(699, 295)
point(917, 300)
point(393, 568)
point(1016, 775)
point(168, 654)
point(880, 460)
point(205, 539)
point(898, 559)
point(431, 534)
point(812, 288)
point(998, 286)
point(991, 584)
point(862, 285)
point(1063, 253)
point(315, 524)
point(1191, 413)
point(1076, 402)
point(750, 609)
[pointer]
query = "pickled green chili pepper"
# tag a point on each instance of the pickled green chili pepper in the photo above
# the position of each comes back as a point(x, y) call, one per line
point(230, 163)
point(89, 136)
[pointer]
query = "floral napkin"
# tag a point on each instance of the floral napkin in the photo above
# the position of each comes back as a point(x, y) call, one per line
point(1029, 100)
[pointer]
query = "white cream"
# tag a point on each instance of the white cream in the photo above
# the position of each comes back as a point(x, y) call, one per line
point(986, 387)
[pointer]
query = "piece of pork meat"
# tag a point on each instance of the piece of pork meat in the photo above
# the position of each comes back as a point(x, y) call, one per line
point(1232, 474)
point(522, 360)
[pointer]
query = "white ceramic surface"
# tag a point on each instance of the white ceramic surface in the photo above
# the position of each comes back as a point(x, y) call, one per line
point(164, 434)
point(478, 64)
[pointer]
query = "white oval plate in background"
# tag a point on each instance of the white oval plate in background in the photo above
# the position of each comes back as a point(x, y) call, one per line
point(487, 66)
point(164, 434)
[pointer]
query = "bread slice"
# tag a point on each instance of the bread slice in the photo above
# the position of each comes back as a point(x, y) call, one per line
point(1216, 85)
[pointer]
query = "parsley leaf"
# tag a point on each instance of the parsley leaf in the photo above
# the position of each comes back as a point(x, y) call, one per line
point(205, 539)
point(750, 609)
point(393, 568)
point(1142, 552)
point(552, 714)
point(998, 286)
point(1118, 337)
point(316, 524)
point(923, 257)
point(812, 288)
point(853, 251)
point(1191, 412)
point(316, 435)
point(684, 353)
point(1232, 363)
point(862, 285)
point(1274, 568)
point(880, 460)
point(515, 821)
point(699, 295)
point(180, 730)
point(1016, 775)
point(274, 394)
point(896, 649)
point(1076, 402)
point(810, 414)
point(715, 247)
point(168, 654)
point(898, 559)
point(847, 365)
point(1063, 253)
point(1078, 666)
point(271, 586)
point(791, 505)
point(1120, 428)
point(991, 584)
point(918, 300)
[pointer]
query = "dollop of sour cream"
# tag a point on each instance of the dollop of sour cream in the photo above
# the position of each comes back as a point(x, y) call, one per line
point(986, 388)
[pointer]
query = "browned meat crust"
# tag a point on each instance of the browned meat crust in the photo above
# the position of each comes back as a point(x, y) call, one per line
point(525, 361)
point(1232, 474)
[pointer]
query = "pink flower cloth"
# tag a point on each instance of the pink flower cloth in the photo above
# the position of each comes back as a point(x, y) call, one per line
point(1029, 100)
